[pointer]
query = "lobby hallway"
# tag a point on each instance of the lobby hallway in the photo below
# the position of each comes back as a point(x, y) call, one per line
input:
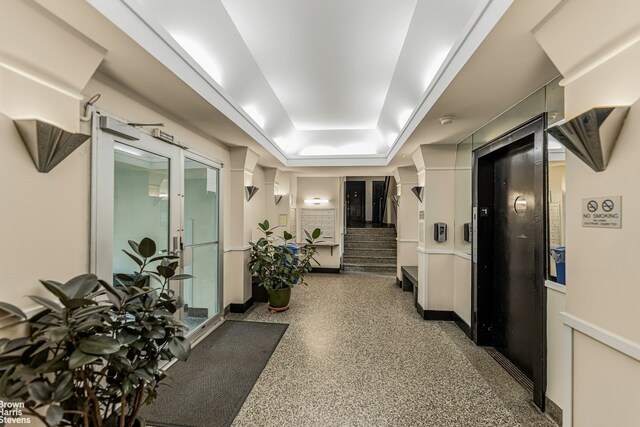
point(356, 353)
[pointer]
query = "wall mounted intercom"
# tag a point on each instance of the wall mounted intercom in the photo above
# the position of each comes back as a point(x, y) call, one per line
point(468, 229)
point(440, 232)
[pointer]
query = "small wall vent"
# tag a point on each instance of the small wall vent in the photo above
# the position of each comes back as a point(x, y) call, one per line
point(592, 135)
point(48, 144)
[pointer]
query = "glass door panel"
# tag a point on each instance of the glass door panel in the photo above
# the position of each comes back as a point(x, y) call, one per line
point(141, 202)
point(200, 240)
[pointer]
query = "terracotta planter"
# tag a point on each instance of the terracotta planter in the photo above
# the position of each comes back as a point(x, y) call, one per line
point(279, 298)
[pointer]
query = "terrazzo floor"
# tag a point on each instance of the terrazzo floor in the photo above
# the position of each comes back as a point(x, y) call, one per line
point(356, 353)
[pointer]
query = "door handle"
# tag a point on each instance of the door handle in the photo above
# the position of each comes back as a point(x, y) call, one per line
point(177, 246)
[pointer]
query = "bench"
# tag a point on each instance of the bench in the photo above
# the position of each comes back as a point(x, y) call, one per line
point(409, 277)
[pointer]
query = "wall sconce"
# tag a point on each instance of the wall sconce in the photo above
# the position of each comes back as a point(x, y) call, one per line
point(418, 192)
point(250, 191)
point(48, 144)
point(277, 198)
point(592, 135)
point(316, 201)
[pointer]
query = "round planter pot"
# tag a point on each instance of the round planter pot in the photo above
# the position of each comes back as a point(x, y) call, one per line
point(279, 298)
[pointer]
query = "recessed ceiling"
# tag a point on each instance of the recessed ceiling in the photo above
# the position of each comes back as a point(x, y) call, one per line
point(326, 83)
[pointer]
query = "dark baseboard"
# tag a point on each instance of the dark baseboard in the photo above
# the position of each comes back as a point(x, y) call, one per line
point(435, 314)
point(326, 270)
point(420, 310)
point(553, 411)
point(462, 325)
point(438, 315)
point(241, 308)
point(398, 282)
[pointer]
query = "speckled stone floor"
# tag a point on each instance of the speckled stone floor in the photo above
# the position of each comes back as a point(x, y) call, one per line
point(356, 353)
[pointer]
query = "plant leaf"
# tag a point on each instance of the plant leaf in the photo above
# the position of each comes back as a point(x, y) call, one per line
point(316, 233)
point(12, 310)
point(180, 348)
point(39, 390)
point(287, 235)
point(147, 247)
point(166, 272)
point(80, 286)
point(46, 302)
point(78, 358)
point(181, 277)
point(134, 258)
point(54, 415)
point(56, 289)
point(134, 246)
point(99, 345)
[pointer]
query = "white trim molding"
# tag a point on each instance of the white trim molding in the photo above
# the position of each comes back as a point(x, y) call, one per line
point(237, 248)
point(555, 286)
point(461, 254)
point(614, 341)
point(401, 240)
point(436, 251)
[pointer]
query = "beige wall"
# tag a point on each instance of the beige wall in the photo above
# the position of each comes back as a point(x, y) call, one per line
point(556, 302)
point(601, 68)
point(326, 188)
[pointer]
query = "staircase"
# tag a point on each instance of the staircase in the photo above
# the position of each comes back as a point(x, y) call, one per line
point(370, 250)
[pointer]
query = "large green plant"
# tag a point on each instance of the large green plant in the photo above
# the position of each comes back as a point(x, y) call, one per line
point(275, 263)
point(92, 354)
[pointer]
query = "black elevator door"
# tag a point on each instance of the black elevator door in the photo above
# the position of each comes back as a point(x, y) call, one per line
point(514, 246)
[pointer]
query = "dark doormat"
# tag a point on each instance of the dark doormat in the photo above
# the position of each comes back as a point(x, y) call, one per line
point(209, 389)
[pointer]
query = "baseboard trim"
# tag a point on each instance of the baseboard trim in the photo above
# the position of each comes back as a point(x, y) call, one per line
point(462, 325)
point(326, 270)
point(438, 315)
point(553, 411)
point(241, 308)
point(398, 282)
point(420, 310)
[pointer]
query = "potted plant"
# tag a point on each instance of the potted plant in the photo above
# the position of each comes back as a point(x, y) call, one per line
point(92, 354)
point(279, 266)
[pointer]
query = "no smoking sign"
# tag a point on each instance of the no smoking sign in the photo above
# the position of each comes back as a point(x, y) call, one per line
point(602, 212)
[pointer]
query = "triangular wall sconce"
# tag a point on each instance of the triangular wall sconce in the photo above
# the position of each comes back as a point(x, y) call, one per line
point(250, 191)
point(592, 135)
point(277, 198)
point(418, 192)
point(48, 144)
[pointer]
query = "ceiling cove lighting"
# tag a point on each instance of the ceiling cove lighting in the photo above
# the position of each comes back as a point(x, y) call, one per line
point(316, 201)
point(201, 55)
point(404, 117)
point(253, 112)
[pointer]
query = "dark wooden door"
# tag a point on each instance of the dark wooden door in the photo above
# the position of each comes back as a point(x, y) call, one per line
point(355, 196)
point(378, 202)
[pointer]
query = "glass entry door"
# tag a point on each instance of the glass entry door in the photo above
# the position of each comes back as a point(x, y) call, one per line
point(148, 188)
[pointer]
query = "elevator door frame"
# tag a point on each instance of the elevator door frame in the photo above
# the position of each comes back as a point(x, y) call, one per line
point(482, 292)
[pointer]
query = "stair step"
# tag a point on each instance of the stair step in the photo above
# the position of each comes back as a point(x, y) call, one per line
point(369, 237)
point(389, 230)
point(363, 260)
point(370, 252)
point(368, 244)
point(389, 269)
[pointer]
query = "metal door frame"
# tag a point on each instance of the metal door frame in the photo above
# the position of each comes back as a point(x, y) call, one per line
point(481, 321)
point(102, 183)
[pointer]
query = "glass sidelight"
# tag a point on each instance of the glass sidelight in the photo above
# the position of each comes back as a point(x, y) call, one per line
point(200, 242)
